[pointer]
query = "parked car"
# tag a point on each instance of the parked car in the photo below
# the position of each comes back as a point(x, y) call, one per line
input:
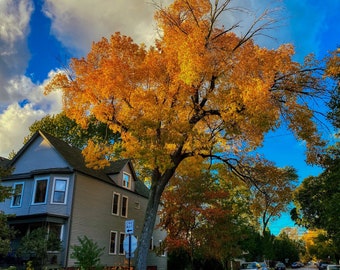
point(280, 266)
point(323, 265)
point(297, 264)
point(264, 266)
point(250, 266)
point(333, 267)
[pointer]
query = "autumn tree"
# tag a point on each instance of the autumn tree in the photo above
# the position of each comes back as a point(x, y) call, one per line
point(317, 245)
point(204, 214)
point(201, 91)
point(273, 191)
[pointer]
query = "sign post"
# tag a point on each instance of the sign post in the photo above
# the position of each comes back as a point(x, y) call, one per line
point(130, 242)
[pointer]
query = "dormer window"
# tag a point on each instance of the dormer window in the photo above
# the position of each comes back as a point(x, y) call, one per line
point(126, 180)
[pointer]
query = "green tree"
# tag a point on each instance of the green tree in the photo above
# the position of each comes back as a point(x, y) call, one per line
point(68, 130)
point(317, 201)
point(286, 248)
point(5, 170)
point(201, 91)
point(87, 254)
point(37, 243)
point(6, 232)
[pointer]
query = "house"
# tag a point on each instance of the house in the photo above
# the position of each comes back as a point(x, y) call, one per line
point(55, 189)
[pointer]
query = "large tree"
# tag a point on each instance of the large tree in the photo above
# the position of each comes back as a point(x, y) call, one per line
point(201, 91)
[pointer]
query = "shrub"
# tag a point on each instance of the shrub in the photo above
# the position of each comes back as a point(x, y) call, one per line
point(87, 253)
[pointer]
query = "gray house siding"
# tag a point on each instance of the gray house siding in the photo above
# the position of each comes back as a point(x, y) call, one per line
point(87, 209)
point(39, 155)
point(28, 207)
point(29, 213)
point(92, 215)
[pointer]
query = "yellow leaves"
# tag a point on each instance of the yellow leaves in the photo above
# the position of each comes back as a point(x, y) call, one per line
point(94, 155)
point(333, 64)
point(200, 90)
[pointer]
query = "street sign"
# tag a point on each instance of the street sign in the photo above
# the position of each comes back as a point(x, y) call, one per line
point(129, 226)
point(130, 244)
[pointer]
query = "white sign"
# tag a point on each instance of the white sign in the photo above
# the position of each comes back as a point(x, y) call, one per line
point(129, 226)
point(129, 245)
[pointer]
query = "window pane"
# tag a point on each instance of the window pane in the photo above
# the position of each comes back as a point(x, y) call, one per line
point(124, 206)
point(40, 191)
point(60, 185)
point(115, 203)
point(113, 242)
point(121, 241)
point(16, 200)
point(59, 197)
point(126, 180)
point(59, 193)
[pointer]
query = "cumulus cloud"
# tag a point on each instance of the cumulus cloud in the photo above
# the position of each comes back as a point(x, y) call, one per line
point(19, 116)
point(14, 123)
point(78, 25)
point(14, 54)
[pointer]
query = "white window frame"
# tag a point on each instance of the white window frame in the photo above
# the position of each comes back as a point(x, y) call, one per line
point(126, 207)
point(121, 241)
point(66, 189)
point(115, 245)
point(35, 191)
point(128, 184)
point(118, 203)
point(14, 195)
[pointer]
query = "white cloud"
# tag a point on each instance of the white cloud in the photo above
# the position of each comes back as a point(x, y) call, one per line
point(14, 123)
point(14, 54)
point(15, 119)
point(78, 25)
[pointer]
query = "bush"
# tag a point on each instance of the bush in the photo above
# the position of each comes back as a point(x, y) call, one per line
point(87, 254)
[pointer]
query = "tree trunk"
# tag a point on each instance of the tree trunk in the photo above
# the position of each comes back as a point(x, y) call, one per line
point(149, 221)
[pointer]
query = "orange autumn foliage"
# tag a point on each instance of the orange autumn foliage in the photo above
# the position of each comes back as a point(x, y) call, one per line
point(196, 91)
point(201, 90)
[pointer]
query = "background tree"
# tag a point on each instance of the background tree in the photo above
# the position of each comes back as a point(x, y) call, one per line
point(317, 198)
point(69, 131)
point(273, 191)
point(6, 235)
point(5, 170)
point(286, 248)
point(318, 246)
point(203, 213)
point(200, 91)
point(6, 232)
point(317, 201)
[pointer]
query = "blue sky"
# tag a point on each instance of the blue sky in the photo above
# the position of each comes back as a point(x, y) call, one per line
point(37, 37)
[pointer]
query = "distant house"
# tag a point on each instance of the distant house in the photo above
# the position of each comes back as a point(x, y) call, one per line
point(56, 190)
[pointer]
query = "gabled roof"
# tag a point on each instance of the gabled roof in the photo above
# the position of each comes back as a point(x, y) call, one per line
point(75, 159)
